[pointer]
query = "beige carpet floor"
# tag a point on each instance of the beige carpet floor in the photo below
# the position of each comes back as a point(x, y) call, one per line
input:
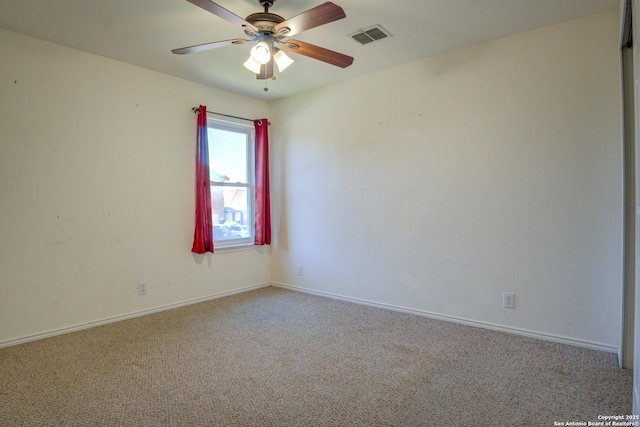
point(273, 357)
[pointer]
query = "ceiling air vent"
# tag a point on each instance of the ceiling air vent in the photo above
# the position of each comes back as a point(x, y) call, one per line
point(370, 34)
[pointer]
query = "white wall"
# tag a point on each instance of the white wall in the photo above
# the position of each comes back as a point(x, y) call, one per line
point(438, 185)
point(97, 177)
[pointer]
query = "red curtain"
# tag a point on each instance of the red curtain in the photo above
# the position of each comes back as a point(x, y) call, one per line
point(263, 202)
point(203, 235)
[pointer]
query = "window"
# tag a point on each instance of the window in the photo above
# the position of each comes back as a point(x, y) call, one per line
point(231, 171)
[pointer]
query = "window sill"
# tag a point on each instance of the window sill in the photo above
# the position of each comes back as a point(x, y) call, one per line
point(234, 248)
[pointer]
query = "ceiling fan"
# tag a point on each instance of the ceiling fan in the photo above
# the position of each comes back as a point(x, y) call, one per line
point(269, 29)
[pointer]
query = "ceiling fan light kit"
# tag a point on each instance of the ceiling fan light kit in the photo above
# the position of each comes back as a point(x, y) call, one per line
point(268, 29)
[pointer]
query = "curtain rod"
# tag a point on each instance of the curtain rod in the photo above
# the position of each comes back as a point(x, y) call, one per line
point(197, 110)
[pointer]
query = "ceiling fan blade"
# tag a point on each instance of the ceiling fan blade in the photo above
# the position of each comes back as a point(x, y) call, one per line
point(319, 15)
point(208, 46)
point(266, 71)
point(319, 53)
point(223, 13)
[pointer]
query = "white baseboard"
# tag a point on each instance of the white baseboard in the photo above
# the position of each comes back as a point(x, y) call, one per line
point(114, 319)
point(461, 320)
point(454, 319)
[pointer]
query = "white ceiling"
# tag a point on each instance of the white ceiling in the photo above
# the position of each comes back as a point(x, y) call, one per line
point(143, 32)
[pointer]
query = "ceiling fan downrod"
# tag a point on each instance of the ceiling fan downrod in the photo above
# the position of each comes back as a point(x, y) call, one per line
point(266, 4)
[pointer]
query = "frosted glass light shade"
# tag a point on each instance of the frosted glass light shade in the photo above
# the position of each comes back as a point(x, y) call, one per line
point(282, 60)
point(252, 65)
point(261, 53)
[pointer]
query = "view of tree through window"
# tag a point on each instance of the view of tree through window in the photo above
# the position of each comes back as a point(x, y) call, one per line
point(231, 174)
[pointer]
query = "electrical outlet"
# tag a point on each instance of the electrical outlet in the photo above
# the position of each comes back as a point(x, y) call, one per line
point(142, 289)
point(508, 300)
point(300, 270)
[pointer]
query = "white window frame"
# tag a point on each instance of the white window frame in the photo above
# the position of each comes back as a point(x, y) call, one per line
point(249, 132)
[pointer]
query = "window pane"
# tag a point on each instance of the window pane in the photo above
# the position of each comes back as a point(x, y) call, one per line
point(230, 213)
point(231, 166)
point(227, 156)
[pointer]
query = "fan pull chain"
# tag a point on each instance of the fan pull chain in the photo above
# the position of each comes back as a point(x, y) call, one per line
point(266, 89)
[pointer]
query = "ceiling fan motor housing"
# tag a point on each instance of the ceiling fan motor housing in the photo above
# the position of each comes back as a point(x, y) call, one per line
point(265, 22)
